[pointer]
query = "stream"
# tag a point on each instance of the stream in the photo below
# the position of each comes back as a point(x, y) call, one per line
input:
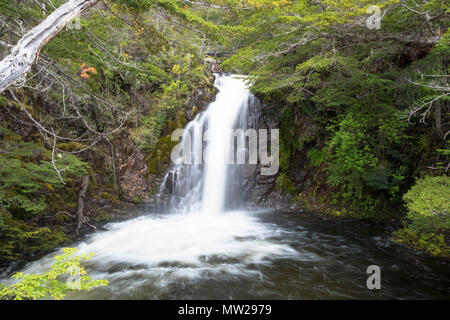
point(253, 255)
point(205, 247)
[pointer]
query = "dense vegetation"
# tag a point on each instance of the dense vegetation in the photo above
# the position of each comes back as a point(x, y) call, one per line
point(364, 110)
point(369, 106)
point(122, 66)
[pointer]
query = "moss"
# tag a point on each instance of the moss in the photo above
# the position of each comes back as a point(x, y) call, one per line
point(153, 191)
point(106, 195)
point(19, 239)
point(161, 154)
point(137, 200)
point(178, 122)
point(101, 215)
point(431, 243)
point(115, 201)
point(285, 183)
point(70, 146)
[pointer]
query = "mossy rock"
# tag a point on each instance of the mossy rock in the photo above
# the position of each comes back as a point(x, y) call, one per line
point(70, 146)
point(115, 201)
point(19, 239)
point(101, 215)
point(431, 243)
point(178, 122)
point(137, 200)
point(160, 155)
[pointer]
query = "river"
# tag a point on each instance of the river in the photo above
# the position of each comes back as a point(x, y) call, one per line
point(253, 255)
point(203, 247)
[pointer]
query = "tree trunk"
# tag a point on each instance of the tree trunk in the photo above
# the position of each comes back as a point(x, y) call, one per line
point(81, 198)
point(16, 65)
point(437, 117)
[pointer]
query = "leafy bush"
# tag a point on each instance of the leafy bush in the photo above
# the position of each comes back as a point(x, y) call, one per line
point(27, 173)
point(48, 285)
point(428, 203)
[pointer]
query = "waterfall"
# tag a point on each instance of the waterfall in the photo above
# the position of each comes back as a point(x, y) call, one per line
point(215, 241)
point(201, 184)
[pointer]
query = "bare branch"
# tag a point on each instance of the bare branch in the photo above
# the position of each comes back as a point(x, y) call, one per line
point(25, 54)
point(213, 6)
point(58, 171)
point(290, 46)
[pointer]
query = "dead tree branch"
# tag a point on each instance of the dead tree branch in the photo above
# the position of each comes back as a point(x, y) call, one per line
point(25, 54)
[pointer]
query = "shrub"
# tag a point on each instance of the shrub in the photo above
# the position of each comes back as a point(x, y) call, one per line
point(428, 203)
point(38, 286)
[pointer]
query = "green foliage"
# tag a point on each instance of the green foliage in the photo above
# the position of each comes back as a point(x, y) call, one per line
point(285, 183)
point(19, 239)
point(306, 61)
point(49, 284)
point(316, 156)
point(354, 160)
point(186, 75)
point(428, 218)
point(431, 243)
point(428, 203)
point(365, 150)
point(27, 173)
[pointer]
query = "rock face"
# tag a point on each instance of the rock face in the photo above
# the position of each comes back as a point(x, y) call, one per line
point(260, 189)
point(257, 187)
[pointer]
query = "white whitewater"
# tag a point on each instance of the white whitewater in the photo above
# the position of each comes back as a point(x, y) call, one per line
point(198, 239)
point(231, 100)
point(200, 185)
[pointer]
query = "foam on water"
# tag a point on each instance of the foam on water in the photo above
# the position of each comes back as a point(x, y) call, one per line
point(174, 247)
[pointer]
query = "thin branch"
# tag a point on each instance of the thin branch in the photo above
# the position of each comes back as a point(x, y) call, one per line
point(213, 6)
point(53, 158)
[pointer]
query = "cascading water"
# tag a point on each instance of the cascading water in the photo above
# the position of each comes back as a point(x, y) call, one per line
point(197, 239)
point(232, 99)
point(201, 184)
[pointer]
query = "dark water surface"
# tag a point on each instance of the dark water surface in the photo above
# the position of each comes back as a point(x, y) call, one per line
point(259, 255)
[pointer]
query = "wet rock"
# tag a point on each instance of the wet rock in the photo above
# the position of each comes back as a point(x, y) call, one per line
point(249, 170)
